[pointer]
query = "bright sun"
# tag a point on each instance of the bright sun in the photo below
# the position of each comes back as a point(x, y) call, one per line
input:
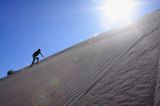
point(117, 10)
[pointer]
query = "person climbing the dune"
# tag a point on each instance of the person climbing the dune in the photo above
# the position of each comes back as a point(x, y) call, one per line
point(35, 56)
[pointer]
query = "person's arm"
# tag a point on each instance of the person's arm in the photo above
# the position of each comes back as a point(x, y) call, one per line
point(41, 54)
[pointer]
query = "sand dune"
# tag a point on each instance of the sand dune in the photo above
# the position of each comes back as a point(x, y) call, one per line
point(117, 68)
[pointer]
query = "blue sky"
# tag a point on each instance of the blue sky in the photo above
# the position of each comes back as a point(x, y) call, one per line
point(52, 25)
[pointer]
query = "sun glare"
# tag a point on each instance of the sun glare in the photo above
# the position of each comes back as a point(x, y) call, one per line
point(116, 10)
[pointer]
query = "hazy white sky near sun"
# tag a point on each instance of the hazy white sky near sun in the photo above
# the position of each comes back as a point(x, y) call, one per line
point(118, 12)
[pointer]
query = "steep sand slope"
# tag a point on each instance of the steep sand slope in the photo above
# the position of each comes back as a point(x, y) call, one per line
point(116, 68)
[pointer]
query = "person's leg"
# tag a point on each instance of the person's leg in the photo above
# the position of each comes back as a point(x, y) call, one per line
point(33, 60)
point(37, 59)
